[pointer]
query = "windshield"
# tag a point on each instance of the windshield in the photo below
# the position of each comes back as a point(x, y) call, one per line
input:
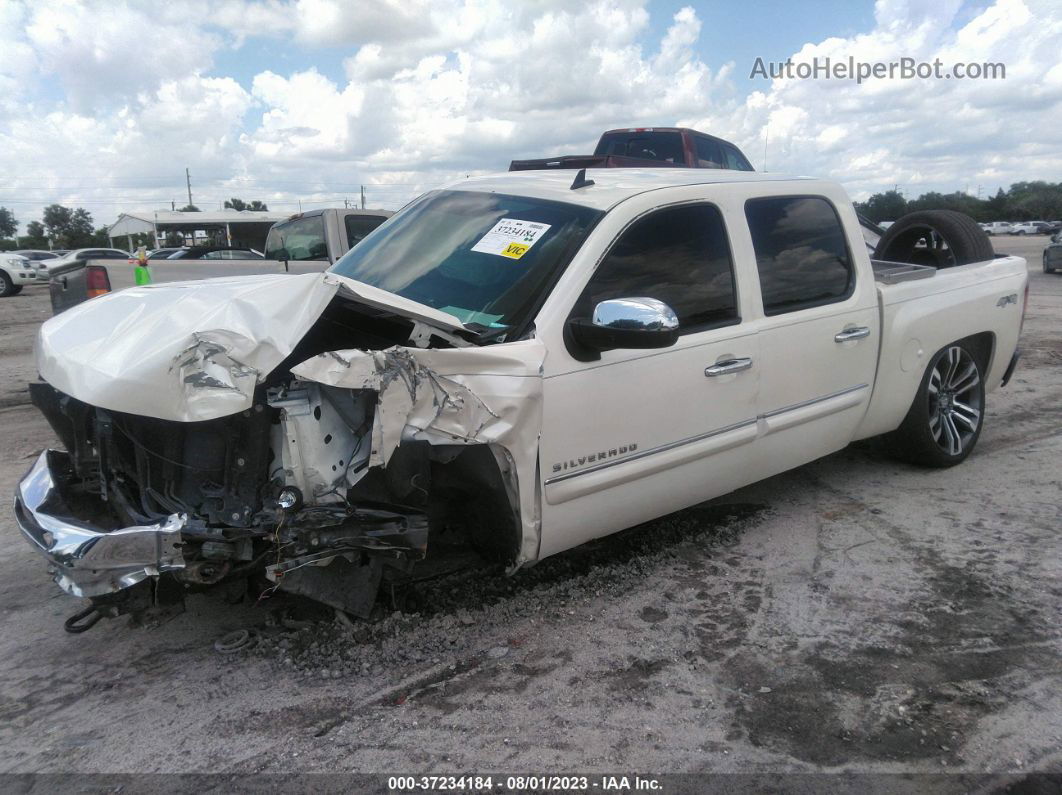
point(297, 239)
point(483, 257)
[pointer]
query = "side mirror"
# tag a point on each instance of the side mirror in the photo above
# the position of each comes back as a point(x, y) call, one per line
point(627, 323)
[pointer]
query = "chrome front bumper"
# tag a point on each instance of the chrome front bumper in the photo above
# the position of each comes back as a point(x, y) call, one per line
point(87, 561)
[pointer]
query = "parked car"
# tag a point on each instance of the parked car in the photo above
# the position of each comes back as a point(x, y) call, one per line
point(38, 258)
point(649, 147)
point(324, 235)
point(303, 428)
point(997, 228)
point(1053, 255)
point(36, 255)
point(164, 253)
point(16, 272)
point(214, 252)
point(84, 254)
point(1031, 228)
point(318, 235)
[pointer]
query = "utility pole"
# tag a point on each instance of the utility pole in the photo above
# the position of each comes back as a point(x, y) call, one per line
point(766, 135)
point(363, 197)
point(188, 179)
point(173, 204)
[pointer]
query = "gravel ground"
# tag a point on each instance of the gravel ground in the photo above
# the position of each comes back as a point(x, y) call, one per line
point(855, 615)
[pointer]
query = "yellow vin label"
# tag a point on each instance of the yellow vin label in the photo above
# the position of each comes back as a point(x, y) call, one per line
point(515, 250)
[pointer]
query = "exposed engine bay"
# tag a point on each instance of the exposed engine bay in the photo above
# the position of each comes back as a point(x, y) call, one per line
point(365, 457)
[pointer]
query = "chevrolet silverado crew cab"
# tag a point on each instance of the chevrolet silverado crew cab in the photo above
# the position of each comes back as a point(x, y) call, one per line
point(513, 365)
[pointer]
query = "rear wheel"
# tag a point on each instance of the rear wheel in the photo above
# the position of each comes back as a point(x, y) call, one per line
point(941, 238)
point(1047, 268)
point(8, 287)
point(945, 420)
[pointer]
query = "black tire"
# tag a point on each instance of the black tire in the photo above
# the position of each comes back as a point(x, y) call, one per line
point(7, 287)
point(1047, 268)
point(945, 420)
point(951, 238)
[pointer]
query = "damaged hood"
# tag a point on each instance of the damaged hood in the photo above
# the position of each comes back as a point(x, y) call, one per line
point(190, 351)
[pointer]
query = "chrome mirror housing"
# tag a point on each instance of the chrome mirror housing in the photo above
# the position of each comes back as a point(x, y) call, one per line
point(636, 314)
point(624, 323)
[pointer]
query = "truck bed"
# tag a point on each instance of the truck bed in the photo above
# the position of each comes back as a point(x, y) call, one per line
point(892, 272)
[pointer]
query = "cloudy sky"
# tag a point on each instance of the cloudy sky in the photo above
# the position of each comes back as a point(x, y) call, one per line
point(105, 104)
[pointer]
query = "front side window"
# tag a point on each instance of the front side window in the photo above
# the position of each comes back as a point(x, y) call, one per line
point(486, 258)
point(298, 239)
point(678, 255)
point(801, 253)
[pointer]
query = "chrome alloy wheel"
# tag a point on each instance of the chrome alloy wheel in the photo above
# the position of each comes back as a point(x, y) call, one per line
point(955, 402)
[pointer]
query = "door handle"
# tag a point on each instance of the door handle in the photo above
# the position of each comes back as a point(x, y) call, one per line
point(728, 366)
point(849, 334)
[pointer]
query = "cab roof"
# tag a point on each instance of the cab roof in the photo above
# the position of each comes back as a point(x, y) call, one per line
point(611, 185)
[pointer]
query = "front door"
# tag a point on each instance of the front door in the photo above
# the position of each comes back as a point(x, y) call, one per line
point(634, 434)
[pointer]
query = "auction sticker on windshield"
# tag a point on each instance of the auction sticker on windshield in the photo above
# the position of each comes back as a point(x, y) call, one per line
point(510, 237)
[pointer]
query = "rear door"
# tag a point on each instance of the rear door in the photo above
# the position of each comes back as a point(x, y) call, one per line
point(818, 328)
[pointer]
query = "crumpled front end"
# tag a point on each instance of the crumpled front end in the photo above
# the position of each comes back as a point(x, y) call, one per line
point(85, 560)
point(368, 449)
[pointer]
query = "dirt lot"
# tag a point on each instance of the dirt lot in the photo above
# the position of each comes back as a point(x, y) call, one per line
point(854, 615)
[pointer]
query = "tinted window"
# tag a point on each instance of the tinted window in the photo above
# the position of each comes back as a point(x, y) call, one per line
point(709, 154)
point(665, 146)
point(735, 160)
point(298, 239)
point(359, 226)
point(680, 256)
point(801, 253)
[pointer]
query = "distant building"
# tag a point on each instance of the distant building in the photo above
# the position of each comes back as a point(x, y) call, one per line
point(239, 228)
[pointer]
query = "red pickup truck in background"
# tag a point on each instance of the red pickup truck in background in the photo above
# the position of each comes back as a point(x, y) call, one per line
point(649, 147)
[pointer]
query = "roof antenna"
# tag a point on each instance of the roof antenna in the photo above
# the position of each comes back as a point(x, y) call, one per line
point(581, 181)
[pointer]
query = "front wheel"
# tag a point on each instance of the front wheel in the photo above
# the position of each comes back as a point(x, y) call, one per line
point(8, 286)
point(945, 420)
point(1046, 268)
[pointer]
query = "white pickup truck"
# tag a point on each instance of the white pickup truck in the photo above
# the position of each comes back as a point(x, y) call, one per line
point(513, 365)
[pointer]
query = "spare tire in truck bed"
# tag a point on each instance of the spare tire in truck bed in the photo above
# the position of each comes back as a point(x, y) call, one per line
point(941, 238)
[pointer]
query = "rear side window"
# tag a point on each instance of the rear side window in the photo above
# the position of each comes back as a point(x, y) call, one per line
point(359, 226)
point(678, 255)
point(709, 153)
point(735, 160)
point(801, 253)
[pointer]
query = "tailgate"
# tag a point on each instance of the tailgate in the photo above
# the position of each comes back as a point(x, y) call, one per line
point(68, 286)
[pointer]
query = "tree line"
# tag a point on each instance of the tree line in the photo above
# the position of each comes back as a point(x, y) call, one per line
point(60, 226)
point(65, 228)
point(1024, 201)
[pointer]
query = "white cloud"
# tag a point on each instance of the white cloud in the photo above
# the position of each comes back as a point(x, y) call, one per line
point(108, 102)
